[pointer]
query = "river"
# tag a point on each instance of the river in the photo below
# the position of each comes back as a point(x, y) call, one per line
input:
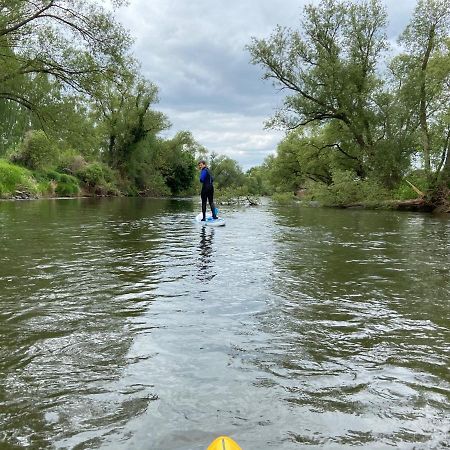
point(126, 325)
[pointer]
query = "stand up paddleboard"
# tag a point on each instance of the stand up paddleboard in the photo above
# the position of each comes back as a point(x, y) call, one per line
point(223, 443)
point(219, 222)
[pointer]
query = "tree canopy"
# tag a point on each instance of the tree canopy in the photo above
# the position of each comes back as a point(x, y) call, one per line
point(348, 107)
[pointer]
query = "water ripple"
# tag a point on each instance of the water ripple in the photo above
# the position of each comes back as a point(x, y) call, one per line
point(125, 324)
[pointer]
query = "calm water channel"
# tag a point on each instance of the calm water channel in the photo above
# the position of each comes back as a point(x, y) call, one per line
point(126, 325)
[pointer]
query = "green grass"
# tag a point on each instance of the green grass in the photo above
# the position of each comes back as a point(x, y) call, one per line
point(15, 178)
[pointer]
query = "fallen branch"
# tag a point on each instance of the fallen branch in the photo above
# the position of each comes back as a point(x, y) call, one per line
point(416, 190)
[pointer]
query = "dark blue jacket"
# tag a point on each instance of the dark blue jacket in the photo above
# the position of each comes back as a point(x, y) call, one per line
point(206, 178)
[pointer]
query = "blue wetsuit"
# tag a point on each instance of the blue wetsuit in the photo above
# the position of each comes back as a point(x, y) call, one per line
point(207, 193)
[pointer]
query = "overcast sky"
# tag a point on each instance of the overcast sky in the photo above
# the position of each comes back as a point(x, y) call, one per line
point(194, 52)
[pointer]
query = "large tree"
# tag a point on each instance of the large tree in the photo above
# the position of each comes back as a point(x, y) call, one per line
point(75, 42)
point(128, 118)
point(226, 171)
point(328, 68)
point(425, 79)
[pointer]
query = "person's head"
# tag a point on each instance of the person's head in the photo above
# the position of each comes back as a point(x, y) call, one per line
point(201, 164)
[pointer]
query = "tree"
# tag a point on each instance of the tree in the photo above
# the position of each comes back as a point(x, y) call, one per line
point(329, 69)
point(76, 42)
point(128, 119)
point(226, 171)
point(425, 77)
point(257, 182)
point(178, 166)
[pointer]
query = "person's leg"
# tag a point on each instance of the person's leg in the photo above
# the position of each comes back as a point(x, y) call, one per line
point(204, 197)
point(211, 203)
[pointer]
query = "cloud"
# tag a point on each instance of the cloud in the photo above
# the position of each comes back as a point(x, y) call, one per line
point(195, 53)
point(239, 136)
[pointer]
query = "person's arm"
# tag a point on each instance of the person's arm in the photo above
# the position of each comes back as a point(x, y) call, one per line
point(203, 174)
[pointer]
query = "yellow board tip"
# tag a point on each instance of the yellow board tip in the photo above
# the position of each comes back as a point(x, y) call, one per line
point(223, 443)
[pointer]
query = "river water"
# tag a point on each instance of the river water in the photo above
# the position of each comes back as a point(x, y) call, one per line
point(126, 325)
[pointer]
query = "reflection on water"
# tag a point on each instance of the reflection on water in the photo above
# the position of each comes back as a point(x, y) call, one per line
point(205, 261)
point(126, 324)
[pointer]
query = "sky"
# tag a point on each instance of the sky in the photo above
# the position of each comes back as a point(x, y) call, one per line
point(194, 51)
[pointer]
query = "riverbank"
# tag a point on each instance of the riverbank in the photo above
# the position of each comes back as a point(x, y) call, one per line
point(413, 205)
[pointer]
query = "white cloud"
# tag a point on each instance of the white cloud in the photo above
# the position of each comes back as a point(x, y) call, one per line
point(194, 52)
point(238, 136)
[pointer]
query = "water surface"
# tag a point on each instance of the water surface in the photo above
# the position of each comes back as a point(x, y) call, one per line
point(126, 325)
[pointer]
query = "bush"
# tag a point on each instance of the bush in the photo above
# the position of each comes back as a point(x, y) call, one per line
point(36, 152)
point(67, 186)
point(98, 178)
point(14, 178)
point(156, 186)
point(405, 192)
point(71, 162)
point(53, 182)
point(283, 198)
point(236, 195)
point(373, 192)
point(347, 189)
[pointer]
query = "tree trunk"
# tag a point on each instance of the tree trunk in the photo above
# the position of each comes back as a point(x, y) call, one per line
point(445, 174)
point(426, 138)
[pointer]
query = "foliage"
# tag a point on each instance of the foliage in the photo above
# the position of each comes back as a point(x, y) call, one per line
point(347, 189)
point(178, 164)
point(14, 123)
point(14, 178)
point(128, 119)
point(342, 117)
point(97, 178)
point(71, 162)
point(419, 179)
point(329, 69)
point(75, 43)
point(36, 152)
point(256, 181)
point(283, 198)
point(56, 183)
point(70, 87)
point(226, 171)
point(67, 186)
point(424, 74)
point(235, 195)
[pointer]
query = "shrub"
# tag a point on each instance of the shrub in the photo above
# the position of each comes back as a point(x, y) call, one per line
point(53, 182)
point(405, 192)
point(283, 198)
point(236, 195)
point(373, 192)
point(91, 174)
point(14, 178)
point(155, 185)
point(98, 178)
point(36, 152)
point(347, 189)
point(67, 186)
point(71, 162)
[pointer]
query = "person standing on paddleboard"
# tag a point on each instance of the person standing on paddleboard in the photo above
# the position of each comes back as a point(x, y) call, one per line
point(207, 193)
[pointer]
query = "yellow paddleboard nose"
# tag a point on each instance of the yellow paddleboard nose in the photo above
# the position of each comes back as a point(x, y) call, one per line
point(223, 443)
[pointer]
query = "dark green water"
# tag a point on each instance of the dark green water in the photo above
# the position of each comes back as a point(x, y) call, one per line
point(126, 325)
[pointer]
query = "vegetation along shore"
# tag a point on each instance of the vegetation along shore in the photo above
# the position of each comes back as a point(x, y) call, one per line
point(365, 126)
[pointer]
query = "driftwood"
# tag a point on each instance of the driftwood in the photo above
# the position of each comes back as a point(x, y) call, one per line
point(416, 204)
point(413, 205)
point(252, 201)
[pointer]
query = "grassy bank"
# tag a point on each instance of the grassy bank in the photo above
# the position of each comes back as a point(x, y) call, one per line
point(17, 182)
